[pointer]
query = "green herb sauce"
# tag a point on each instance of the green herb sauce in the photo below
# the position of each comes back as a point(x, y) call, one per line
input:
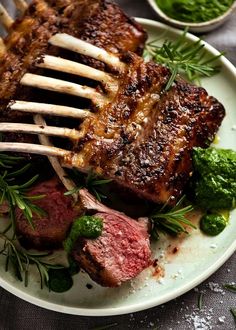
point(212, 224)
point(194, 11)
point(85, 226)
point(73, 268)
point(60, 280)
point(214, 181)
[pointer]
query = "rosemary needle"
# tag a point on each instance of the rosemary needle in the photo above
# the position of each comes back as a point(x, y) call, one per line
point(172, 220)
point(200, 300)
point(15, 194)
point(183, 57)
point(233, 312)
point(21, 259)
point(230, 287)
point(91, 181)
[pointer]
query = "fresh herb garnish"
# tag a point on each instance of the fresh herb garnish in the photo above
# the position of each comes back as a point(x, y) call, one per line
point(91, 181)
point(230, 287)
point(183, 57)
point(14, 193)
point(200, 300)
point(171, 220)
point(21, 260)
point(233, 311)
point(7, 161)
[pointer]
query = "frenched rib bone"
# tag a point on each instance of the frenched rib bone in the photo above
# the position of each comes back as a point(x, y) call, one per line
point(99, 22)
point(142, 137)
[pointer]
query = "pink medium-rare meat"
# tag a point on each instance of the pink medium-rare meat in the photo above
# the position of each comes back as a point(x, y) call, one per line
point(91, 204)
point(50, 229)
point(118, 255)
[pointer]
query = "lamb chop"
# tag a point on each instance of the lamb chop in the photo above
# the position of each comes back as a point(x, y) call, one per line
point(120, 253)
point(101, 22)
point(139, 135)
point(51, 229)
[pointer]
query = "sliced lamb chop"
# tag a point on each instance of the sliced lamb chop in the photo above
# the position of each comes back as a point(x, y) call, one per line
point(120, 253)
point(50, 229)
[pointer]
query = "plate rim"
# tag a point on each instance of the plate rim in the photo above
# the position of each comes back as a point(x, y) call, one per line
point(153, 302)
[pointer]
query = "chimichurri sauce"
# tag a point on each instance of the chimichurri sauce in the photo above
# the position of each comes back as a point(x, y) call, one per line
point(213, 224)
point(85, 226)
point(215, 178)
point(194, 11)
point(214, 186)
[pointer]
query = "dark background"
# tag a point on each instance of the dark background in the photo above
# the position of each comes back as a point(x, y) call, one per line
point(17, 314)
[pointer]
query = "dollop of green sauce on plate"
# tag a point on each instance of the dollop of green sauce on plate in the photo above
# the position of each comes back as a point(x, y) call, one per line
point(214, 181)
point(60, 280)
point(213, 224)
point(85, 226)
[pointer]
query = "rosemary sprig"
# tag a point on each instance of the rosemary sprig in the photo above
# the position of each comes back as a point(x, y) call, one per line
point(171, 220)
point(183, 57)
point(200, 300)
point(14, 193)
point(20, 260)
point(230, 287)
point(91, 181)
point(233, 312)
point(7, 161)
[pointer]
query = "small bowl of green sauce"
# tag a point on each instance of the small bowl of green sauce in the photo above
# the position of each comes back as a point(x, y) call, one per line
point(199, 15)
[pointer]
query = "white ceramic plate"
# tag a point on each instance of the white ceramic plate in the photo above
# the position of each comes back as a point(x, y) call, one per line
point(195, 261)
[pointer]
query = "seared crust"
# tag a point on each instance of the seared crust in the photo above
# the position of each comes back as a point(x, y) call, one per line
point(150, 133)
point(143, 139)
point(100, 22)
